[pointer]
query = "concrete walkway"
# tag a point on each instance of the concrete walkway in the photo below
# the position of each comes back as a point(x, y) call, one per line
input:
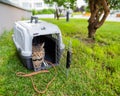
point(109, 18)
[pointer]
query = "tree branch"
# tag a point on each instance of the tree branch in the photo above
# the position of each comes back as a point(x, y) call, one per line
point(94, 10)
point(106, 10)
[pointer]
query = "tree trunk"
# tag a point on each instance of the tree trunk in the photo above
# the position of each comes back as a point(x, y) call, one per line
point(91, 31)
point(56, 15)
point(99, 11)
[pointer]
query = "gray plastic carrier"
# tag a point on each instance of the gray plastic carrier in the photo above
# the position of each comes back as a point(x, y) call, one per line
point(29, 32)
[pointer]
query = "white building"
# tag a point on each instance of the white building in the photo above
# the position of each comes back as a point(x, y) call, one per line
point(10, 13)
point(32, 4)
point(81, 3)
point(39, 4)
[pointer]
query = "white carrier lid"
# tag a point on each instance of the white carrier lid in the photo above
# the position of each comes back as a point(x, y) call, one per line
point(40, 28)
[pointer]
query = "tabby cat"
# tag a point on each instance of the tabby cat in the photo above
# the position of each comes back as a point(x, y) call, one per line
point(38, 54)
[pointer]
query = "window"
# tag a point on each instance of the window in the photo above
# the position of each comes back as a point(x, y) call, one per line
point(50, 5)
point(26, 5)
point(38, 4)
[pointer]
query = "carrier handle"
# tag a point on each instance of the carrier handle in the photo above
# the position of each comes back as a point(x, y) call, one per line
point(34, 18)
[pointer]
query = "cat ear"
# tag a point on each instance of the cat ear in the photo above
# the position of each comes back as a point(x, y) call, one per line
point(42, 44)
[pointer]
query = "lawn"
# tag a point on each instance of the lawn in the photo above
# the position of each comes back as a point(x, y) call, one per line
point(95, 67)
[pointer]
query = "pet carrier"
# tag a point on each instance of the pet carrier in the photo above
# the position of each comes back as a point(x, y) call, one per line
point(37, 36)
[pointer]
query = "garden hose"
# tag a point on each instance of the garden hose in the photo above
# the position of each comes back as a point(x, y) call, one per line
point(21, 74)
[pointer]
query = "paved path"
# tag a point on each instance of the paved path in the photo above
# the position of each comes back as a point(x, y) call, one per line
point(109, 18)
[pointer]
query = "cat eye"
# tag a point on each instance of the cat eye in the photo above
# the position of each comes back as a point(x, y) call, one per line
point(37, 59)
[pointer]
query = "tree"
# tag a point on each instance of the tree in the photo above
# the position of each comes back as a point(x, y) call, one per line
point(99, 9)
point(61, 3)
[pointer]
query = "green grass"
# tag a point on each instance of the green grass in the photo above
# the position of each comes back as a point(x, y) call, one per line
point(44, 11)
point(95, 68)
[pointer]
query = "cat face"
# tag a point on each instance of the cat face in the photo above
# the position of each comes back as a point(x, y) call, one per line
point(38, 55)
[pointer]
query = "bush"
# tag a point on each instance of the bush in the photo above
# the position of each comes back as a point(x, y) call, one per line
point(34, 12)
point(44, 11)
point(87, 9)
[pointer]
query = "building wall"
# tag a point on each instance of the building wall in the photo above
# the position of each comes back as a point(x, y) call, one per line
point(32, 4)
point(81, 3)
point(9, 14)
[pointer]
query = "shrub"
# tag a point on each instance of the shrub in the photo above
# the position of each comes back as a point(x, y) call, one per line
point(87, 9)
point(44, 11)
